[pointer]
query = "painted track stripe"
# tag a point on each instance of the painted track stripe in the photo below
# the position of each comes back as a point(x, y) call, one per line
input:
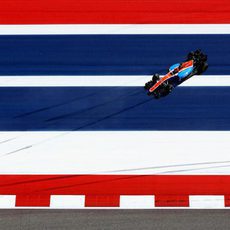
point(227, 200)
point(137, 202)
point(69, 153)
point(34, 200)
point(115, 29)
point(115, 184)
point(94, 81)
point(67, 201)
point(111, 11)
point(206, 201)
point(107, 54)
point(113, 109)
point(172, 201)
point(66, 162)
point(123, 202)
point(102, 200)
point(7, 201)
point(207, 192)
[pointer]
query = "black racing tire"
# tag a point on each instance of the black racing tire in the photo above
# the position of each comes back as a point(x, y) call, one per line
point(148, 85)
point(169, 88)
point(149, 94)
point(202, 69)
point(156, 77)
point(190, 56)
point(157, 96)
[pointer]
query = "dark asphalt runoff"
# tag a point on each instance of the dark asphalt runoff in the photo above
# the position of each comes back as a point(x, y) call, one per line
point(115, 219)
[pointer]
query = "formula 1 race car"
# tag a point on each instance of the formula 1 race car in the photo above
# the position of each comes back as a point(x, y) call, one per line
point(195, 64)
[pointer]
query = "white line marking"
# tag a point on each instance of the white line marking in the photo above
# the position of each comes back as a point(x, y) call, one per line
point(138, 201)
point(53, 81)
point(7, 201)
point(206, 202)
point(67, 201)
point(116, 29)
point(117, 152)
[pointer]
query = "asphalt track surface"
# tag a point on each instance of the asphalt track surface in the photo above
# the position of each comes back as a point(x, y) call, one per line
point(114, 219)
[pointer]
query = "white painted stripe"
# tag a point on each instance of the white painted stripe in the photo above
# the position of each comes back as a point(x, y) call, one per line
point(206, 202)
point(116, 29)
point(52, 81)
point(119, 152)
point(133, 202)
point(208, 80)
point(67, 201)
point(7, 201)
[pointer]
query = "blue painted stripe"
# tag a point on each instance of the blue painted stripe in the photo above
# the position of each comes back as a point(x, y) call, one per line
point(113, 108)
point(107, 54)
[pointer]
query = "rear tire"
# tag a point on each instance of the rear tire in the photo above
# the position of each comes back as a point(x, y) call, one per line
point(203, 68)
point(157, 95)
point(149, 94)
point(169, 88)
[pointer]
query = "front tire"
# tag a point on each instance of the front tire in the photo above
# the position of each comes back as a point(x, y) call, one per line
point(156, 77)
point(157, 95)
point(167, 89)
point(148, 85)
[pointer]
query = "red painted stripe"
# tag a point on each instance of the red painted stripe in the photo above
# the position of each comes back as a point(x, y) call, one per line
point(227, 200)
point(115, 184)
point(113, 11)
point(171, 201)
point(33, 200)
point(102, 201)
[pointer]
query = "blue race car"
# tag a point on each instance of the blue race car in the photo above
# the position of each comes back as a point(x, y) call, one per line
point(195, 64)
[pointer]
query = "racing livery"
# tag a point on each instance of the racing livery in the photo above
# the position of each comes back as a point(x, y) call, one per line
point(195, 64)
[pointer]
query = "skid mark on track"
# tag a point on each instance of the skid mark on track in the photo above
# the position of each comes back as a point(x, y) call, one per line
point(166, 166)
point(94, 122)
point(91, 183)
point(8, 140)
point(73, 100)
point(85, 125)
point(188, 170)
point(136, 92)
point(99, 105)
point(99, 120)
point(53, 106)
point(52, 178)
point(17, 150)
point(113, 114)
